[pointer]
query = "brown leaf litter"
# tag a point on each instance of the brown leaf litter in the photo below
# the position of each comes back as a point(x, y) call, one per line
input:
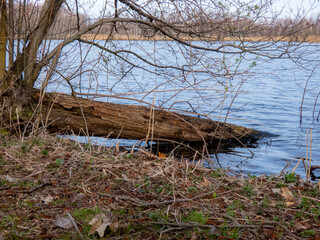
point(55, 188)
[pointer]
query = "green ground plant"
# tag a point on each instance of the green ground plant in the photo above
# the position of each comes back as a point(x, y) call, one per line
point(196, 216)
point(290, 177)
point(156, 197)
point(308, 233)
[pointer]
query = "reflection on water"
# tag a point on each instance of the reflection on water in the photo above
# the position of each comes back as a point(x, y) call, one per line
point(270, 102)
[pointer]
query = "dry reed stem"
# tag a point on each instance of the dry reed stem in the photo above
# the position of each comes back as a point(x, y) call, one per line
point(295, 168)
point(307, 167)
point(311, 38)
point(310, 152)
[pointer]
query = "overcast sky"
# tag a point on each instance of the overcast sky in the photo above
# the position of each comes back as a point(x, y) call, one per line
point(290, 7)
point(293, 6)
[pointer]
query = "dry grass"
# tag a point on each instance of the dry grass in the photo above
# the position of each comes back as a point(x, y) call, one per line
point(145, 197)
point(311, 38)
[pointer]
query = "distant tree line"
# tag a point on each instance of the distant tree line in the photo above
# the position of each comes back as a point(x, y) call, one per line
point(233, 28)
point(25, 15)
point(204, 24)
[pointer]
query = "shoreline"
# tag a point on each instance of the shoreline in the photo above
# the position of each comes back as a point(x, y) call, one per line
point(309, 39)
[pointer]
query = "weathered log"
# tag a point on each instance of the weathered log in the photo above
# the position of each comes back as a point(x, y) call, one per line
point(64, 111)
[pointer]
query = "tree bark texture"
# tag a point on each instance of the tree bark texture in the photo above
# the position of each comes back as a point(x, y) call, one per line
point(47, 17)
point(10, 26)
point(26, 62)
point(3, 37)
point(65, 112)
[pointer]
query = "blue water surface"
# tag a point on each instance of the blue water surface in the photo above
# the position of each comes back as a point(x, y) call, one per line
point(269, 99)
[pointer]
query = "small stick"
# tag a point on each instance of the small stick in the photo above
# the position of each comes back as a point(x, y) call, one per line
point(297, 165)
point(288, 164)
point(35, 188)
point(32, 174)
point(310, 152)
point(265, 224)
point(75, 225)
point(304, 165)
point(133, 201)
point(307, 176)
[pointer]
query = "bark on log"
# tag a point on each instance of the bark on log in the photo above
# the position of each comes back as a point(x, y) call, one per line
point(63, 112)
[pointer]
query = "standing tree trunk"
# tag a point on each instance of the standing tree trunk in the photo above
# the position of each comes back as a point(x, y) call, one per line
point(3, 38)
point(11, 33)
point(16, 85)
point(28, 58)
point(47, 17)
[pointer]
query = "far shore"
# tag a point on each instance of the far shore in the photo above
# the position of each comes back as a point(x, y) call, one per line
point(310, 39)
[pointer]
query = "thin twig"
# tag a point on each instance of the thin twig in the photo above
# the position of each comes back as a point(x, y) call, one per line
point(133, 201)
point(35, 188)
point(264, 224)
point(75, 225)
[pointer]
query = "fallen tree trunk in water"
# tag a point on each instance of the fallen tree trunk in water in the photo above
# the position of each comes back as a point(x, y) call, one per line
point(65, 112)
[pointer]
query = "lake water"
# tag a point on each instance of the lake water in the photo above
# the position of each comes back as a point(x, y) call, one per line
point(269, 99)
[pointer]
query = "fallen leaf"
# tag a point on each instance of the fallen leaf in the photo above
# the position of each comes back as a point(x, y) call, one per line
point(161, 155)
point(289, 203)
point(101, 229)
point(99, 224)
point(286, 193)
point(118, 147)
point(63, 222)
point(48, 199)
point(300, 225)
point(205, 183)
point(95, 223)
point(106, 218)
point(10, 179)
point(276, 190)
point(214, 231)
point(114, 226)
point(124, 177)
point(194, 236)
point(95, 220)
